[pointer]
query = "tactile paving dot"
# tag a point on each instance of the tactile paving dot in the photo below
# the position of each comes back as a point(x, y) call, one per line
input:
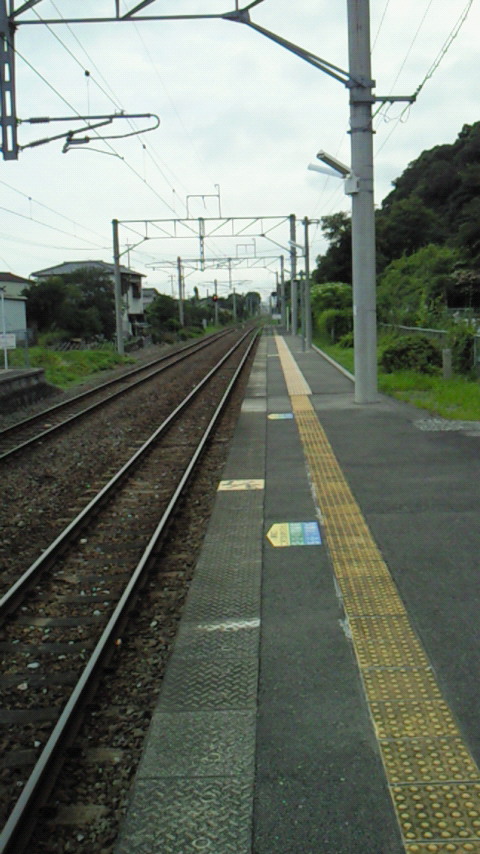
point(370, 594)
point(439, 812)
point(444, 848)
point(413, 720)
point(386, 642)
point(428, 760)
point(351, 567)
point(348, 551)
point(387, 683)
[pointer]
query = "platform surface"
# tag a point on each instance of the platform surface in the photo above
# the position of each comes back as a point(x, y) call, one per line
point(322, 696)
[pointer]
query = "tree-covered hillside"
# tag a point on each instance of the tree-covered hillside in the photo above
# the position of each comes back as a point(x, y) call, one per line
point(435, 203)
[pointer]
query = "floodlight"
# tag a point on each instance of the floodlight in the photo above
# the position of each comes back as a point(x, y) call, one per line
point(325, 171)
point(334, 164)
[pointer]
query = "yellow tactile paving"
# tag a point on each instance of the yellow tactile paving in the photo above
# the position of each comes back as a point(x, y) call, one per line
point(433, 780)
point(293, 376)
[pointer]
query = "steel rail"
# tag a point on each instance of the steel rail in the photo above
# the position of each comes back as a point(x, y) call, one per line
point(18, 828)
point(15, 594)
point(178, 356)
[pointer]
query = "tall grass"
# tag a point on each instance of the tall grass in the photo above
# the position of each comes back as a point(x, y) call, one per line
point(66, 369)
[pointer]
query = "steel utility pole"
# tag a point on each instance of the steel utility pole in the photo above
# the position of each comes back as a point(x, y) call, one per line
point(117, 288)
point(363, 212)
point(293, 274)
point(216, 302)
point(282, 292)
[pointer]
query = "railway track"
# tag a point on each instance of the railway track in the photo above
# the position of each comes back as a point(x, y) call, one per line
point(26, 433)
point(64, 617)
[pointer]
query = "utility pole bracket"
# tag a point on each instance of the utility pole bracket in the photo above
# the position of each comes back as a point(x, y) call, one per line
point(8, 118)
point(351, 185)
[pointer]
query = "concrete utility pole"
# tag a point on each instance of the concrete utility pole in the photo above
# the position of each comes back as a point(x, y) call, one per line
point(117, 288)
point(307, 301)
point(293, 274)
point(180, 292)
point(216, 302)
point(4, 329)
point(282, 292)
point(363, 212)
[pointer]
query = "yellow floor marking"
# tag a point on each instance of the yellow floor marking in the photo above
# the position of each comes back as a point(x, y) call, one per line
point(432, 777)
point(296, 381)
point(239, 485)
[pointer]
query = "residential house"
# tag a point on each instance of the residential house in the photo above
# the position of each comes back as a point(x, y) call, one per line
point(132, 299)
point(14, 310)
point(149, 294)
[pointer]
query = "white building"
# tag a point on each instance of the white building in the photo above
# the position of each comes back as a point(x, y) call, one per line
point(14, 305)
point(132, 299)
point(149, 294)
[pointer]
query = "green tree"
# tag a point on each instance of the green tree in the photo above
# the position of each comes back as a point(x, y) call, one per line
point(44, 302)
point(336, 264)
point(405, 226)
point(95, 298)
point(330, 295)
point(162, 312)
point(416, 289)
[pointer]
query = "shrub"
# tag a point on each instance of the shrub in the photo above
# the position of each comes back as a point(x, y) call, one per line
point(336, 322)
point(411, 352)
point(461, 341)
point(346, 340)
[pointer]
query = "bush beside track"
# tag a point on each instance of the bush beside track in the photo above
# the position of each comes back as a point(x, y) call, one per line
point(458, 398)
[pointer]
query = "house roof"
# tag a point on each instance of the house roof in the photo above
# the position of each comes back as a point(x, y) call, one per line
point(71, 266)
point(11, 277)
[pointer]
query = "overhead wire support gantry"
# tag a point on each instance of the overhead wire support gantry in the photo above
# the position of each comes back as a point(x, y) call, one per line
point(357, 79)
point(14, 13)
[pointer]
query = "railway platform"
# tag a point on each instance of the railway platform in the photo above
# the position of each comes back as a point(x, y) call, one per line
point(322, 696)
point(21, 387)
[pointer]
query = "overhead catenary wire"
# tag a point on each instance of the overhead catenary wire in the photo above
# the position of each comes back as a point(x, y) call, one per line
point(48, 208)
point(113, 98)
point(107, 143)
point(432, 68)
point(51, 227)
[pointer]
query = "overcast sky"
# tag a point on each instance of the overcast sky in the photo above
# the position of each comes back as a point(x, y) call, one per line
point(237, 112)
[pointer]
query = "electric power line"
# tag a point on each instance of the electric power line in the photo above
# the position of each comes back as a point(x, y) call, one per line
point(108, 144)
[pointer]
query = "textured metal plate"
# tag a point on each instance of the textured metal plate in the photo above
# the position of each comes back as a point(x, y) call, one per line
point(200, 744)
point(439, 812)
point(428, 760)
point(237, 598)
point(409, 720)
point(414, 684)
point(223, 683)
point(386, 642)
point(188, 816)
point(227, 638)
